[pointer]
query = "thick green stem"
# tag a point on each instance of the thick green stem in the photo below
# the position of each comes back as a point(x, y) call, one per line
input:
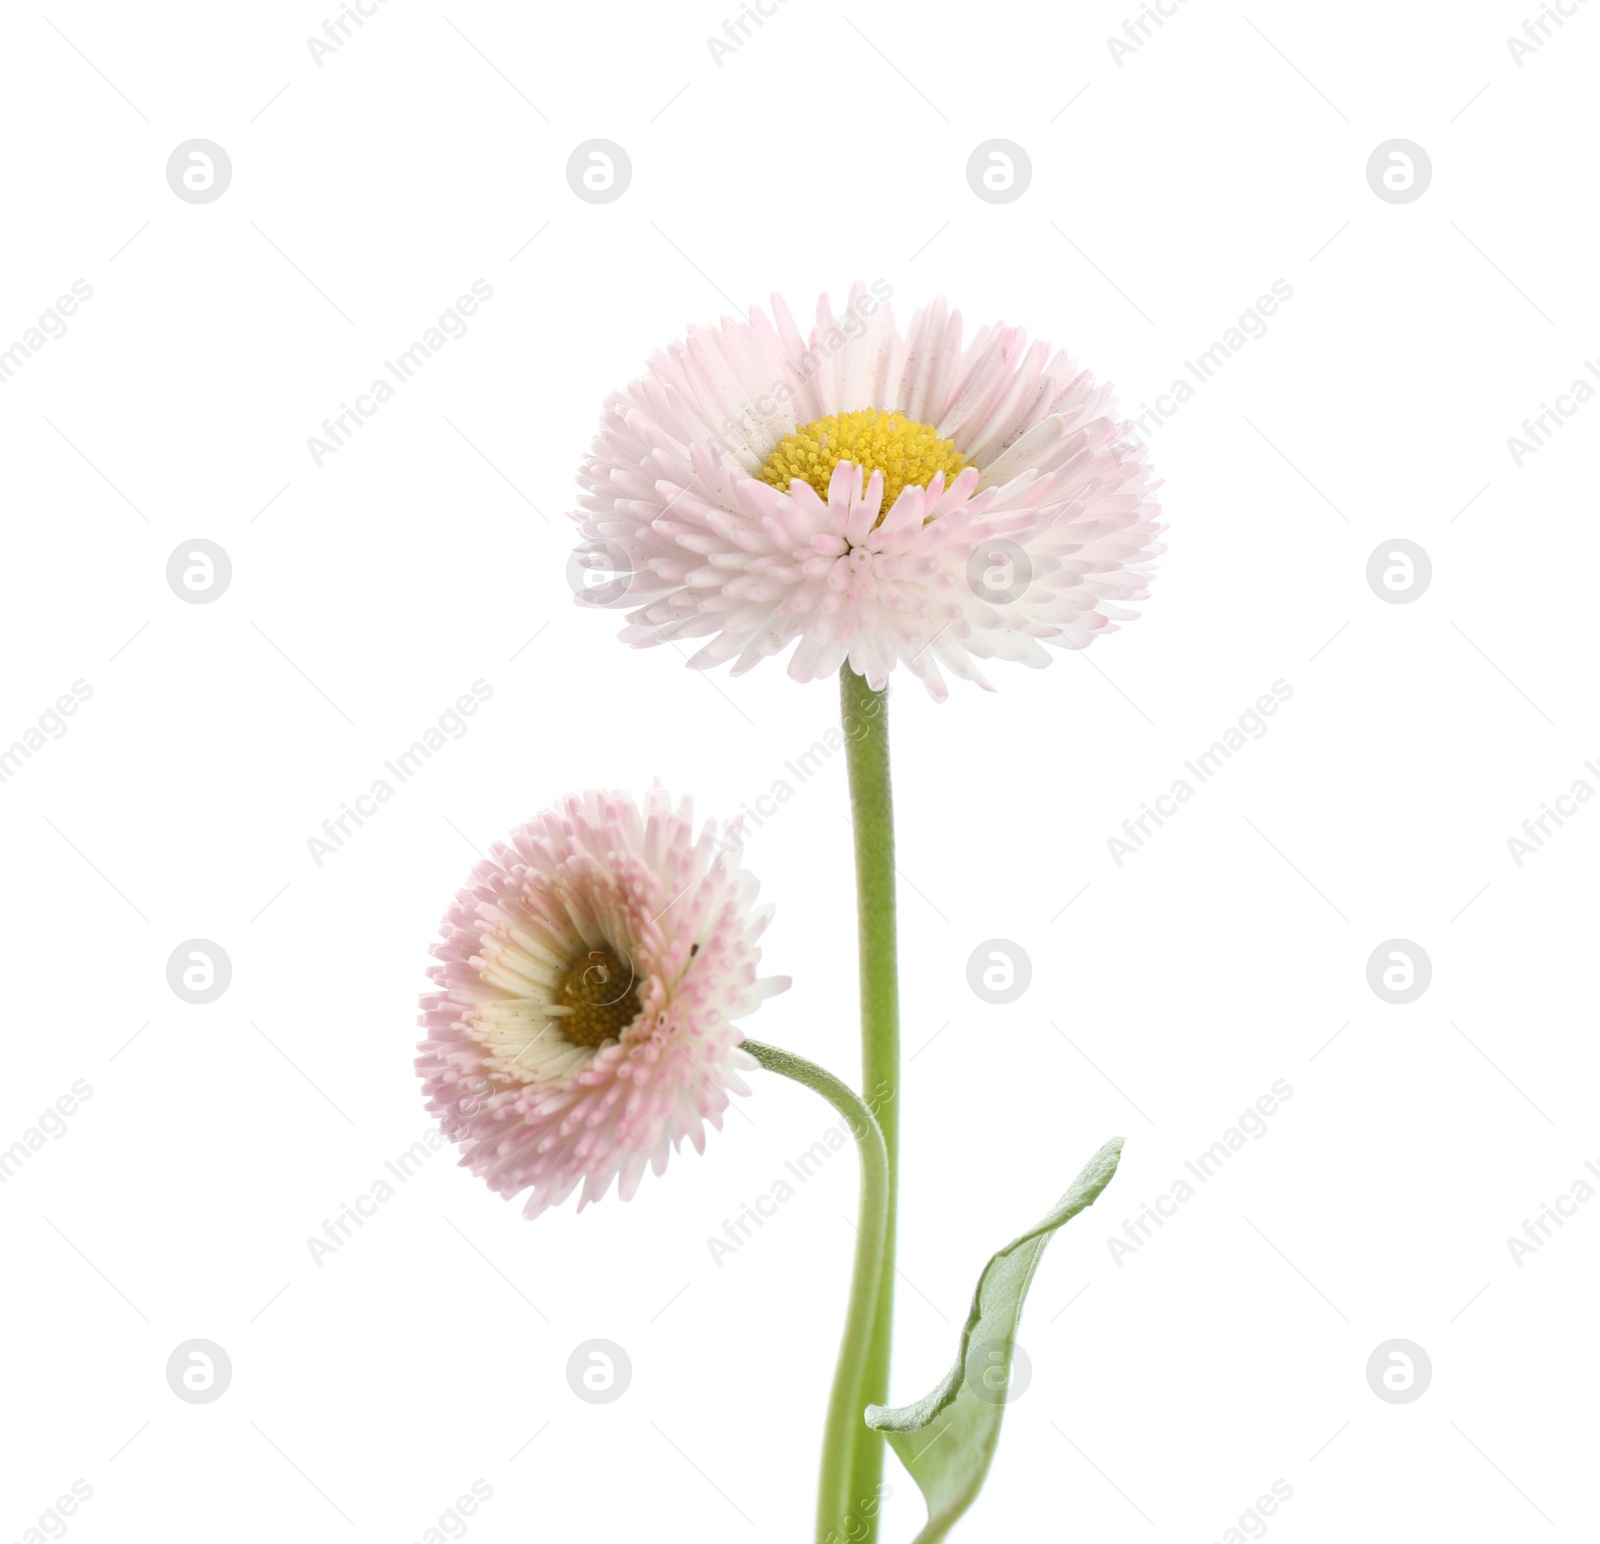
point(865, 721)
point(849, 1397)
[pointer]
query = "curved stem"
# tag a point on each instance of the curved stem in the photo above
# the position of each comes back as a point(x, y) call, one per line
point(865, 721)
point(835, 1498)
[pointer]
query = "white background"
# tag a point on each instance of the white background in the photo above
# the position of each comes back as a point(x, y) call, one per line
point(368, 593)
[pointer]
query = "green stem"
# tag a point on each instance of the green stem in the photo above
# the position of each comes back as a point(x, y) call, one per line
point(865, 719)
point(845, 1404)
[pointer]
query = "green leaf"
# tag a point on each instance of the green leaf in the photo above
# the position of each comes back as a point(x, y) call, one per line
point(947, 1439)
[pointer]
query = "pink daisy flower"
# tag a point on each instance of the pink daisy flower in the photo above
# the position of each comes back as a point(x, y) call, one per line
point(590, 978)
point(886, 499)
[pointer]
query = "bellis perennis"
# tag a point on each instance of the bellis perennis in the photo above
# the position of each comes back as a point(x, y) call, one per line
point(864, 500)
point(589, 979)
point(867, 496)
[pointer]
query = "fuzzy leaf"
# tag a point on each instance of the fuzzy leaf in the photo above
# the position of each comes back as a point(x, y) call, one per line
point(947, 1439)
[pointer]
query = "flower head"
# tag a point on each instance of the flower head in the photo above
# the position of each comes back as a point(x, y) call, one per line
point(886, 499)
point(589, 981)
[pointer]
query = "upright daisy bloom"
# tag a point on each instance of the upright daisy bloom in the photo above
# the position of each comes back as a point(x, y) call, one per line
point(867, 496)
point(589, 981)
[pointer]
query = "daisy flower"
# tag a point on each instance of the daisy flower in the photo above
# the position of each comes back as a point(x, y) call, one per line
point(589, 980)
point(867, 496)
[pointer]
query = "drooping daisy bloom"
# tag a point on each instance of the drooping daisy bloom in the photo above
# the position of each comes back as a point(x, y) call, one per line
point(590, 978)
point(891, 500)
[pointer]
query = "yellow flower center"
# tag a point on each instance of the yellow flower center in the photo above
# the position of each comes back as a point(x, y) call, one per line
point(599, 989)
point(907, 452)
